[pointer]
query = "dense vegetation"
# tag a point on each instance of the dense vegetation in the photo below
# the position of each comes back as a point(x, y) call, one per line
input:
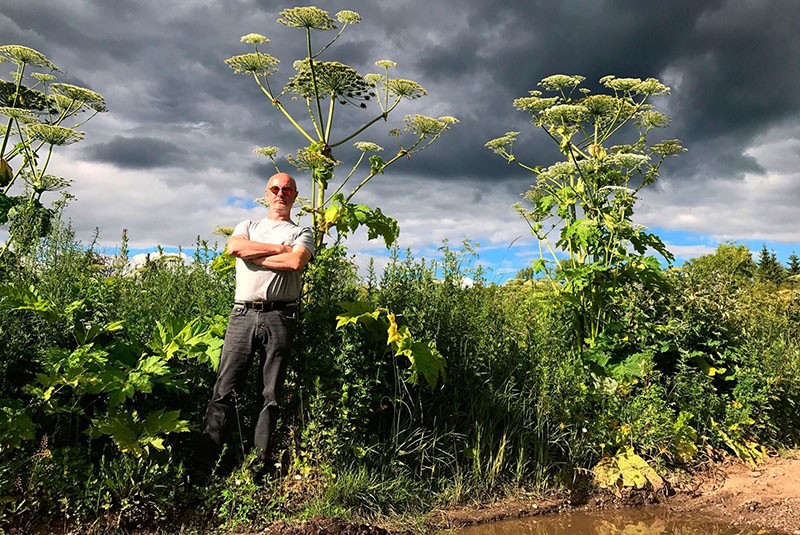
point(409, 389)
point(103, 371)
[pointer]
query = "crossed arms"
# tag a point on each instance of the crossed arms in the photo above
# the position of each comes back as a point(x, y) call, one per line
point(269, 255)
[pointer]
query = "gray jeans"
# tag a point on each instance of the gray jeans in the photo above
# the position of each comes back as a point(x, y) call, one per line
point(250, 332)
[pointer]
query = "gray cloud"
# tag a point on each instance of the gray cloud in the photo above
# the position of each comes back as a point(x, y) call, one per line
point(137, 153)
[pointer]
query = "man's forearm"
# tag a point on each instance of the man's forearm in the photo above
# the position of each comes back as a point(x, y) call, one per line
point(246, 249)
point(295, 260)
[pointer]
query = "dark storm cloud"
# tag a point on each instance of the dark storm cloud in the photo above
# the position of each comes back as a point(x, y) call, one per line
point(138, 153)
point(731, 62)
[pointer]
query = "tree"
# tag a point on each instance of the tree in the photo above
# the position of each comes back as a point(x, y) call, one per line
point(36, 116)
point(769, 268)
point(730, 262)
point(324, 87)
point(582, 207)
point(793, 266)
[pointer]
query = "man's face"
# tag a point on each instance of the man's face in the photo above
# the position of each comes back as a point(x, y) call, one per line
point(281, 193)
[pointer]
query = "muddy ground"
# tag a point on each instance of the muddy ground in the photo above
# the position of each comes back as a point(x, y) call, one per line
point(730, 492)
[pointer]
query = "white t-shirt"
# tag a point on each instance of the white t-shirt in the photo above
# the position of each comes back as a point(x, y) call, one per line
point(254, 282)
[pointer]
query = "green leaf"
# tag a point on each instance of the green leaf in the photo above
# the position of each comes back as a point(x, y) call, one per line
point(136, 437)
point(15, 425)
point(626, 469)
point(377, 164)
point(426, 361)
point(356, 312)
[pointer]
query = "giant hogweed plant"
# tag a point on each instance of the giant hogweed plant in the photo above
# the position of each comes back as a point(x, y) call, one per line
point(41, 114)
point(581, 208)
point(590, 249)
point(325, 88)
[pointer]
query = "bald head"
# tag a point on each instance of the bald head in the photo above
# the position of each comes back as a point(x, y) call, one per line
point(281, 179)
point(281, 192)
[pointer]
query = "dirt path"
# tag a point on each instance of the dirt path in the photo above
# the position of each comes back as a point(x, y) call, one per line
point(731, 493)
point(767, 496)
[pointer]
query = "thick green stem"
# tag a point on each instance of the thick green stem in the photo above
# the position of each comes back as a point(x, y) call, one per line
point(314, 78)
point(330, 117)
point(20, 71)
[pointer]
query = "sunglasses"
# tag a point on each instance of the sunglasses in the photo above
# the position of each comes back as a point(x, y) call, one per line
point(287, 190)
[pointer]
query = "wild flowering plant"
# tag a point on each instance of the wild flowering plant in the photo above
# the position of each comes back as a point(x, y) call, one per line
point(325, 87)
point(39, 116)
point(581, 208)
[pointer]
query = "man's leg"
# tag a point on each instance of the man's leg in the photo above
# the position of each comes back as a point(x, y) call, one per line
point(237, 352)
point(279, 326)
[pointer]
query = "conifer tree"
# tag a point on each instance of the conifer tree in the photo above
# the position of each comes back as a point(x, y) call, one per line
point(769, 268)
point(793, 266)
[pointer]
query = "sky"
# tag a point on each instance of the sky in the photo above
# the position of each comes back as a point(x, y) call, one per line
point(173, 157)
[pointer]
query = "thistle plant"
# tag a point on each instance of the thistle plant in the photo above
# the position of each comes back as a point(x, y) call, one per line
point(39, 116)
point(581, 208)
point(325, 87)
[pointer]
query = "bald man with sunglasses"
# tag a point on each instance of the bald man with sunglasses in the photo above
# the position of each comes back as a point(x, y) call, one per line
point(270, 256)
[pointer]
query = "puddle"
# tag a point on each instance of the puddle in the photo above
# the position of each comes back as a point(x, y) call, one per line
point(617, 522)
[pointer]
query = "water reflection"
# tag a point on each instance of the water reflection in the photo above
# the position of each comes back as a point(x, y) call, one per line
point(618, 522)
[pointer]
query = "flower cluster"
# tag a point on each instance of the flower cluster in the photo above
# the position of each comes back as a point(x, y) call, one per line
point(254, 63)
point(54, 135)
point(43, 77)
point(45, 182)
point(22, 55)
point(18, 114)
point(405, 88)
point(502, 145)
point(566, 114)
point(562, 82)
point(311, 18)
point(535, 104)
point(86, 97)
point(367, 146)
point(348, 17)
point(254, 39)
point(635, 86)
point(668, 147)
point(426, 127)
point(652, 119)
point(310, 160)
point(268, 151)
point(332, 78)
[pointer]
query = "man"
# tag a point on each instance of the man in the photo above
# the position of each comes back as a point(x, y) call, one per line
point(270, 255)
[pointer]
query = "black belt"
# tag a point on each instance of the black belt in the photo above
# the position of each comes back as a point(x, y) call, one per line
point(264, 306)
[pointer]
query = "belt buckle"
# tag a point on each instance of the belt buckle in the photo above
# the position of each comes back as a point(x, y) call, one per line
point(260, 306)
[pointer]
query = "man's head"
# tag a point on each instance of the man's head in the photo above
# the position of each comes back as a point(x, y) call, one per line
point(281, 192)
